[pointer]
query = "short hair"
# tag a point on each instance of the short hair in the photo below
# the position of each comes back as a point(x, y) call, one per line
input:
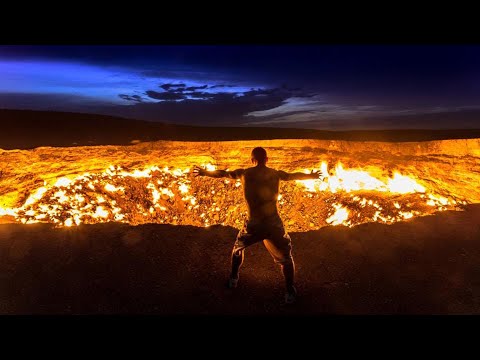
point(260, 155)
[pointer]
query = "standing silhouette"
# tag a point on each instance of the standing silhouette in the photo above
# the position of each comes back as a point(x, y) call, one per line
point(260, 189)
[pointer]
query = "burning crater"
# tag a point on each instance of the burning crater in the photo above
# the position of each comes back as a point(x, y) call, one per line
point(153, 183)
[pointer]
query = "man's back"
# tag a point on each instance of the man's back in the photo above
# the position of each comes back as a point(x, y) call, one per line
point(260, 186)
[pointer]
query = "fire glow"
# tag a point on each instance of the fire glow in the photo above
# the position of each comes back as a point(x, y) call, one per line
point(174, 196)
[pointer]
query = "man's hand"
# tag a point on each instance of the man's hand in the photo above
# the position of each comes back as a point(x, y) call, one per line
point(317, 175)
point(198, 171)
point(314, 175)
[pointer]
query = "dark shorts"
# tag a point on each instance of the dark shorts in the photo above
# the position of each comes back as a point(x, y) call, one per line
point(274, 237)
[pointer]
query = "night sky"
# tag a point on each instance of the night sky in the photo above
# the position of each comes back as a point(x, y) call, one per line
point(321, 87)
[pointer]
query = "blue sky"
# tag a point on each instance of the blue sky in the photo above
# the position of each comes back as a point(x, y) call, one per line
point(323, 87)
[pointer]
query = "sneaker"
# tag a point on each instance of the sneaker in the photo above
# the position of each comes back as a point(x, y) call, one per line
point(232, 283)
point(291, 297)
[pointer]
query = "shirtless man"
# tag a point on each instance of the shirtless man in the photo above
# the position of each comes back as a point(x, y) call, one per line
point(260, 189)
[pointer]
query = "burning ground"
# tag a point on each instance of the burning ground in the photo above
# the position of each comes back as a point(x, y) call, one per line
point(152, 182)
point(376, 195)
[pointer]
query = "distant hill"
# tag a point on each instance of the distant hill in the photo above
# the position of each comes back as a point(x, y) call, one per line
point(25, 129)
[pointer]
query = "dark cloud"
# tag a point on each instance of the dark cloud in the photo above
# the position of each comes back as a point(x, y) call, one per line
point(220, 86)
point(136, 98)
point(179, 92)
point(200, 107)
point(201, 95)
point(165, 96)
point(254, 92)
point(248, 96)
point(167, 87)
point(194, 88)
point(212, 97)
point(209, 108)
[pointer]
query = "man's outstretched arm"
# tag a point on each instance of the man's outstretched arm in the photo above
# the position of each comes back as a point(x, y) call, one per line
point(314, 175)
point(198, 171)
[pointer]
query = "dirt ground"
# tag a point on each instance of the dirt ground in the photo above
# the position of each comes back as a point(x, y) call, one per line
point(428, 265)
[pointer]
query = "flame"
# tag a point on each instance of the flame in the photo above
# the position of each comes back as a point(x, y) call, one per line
point(355, 180)
point(439, 200)
point(339, 217)
point(171, 195)
point(7, 212)
point(112, 188)
point(403, 185)
point(209, 167)
point(406, 214)
point(36, 196)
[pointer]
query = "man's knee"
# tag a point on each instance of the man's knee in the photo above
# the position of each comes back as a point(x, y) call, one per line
point(285, 261)
point(237, 252)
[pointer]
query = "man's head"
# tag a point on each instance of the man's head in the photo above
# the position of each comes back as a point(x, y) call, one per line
point(259, 156)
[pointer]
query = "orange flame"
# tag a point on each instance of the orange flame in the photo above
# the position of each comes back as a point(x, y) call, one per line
point(164, 195)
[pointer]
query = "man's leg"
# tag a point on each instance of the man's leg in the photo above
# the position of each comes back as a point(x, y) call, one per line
point(237, 261)
point(288, 270)
point(280, 247)
point(244, 239)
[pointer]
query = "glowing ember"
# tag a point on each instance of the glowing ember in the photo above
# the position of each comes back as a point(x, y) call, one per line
point(7, 212)
point(110, 187)
point(406, 215)
point(63, 182)
point(174, 196)
point(100, 212)
point(339, 217)
point(36, 196)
